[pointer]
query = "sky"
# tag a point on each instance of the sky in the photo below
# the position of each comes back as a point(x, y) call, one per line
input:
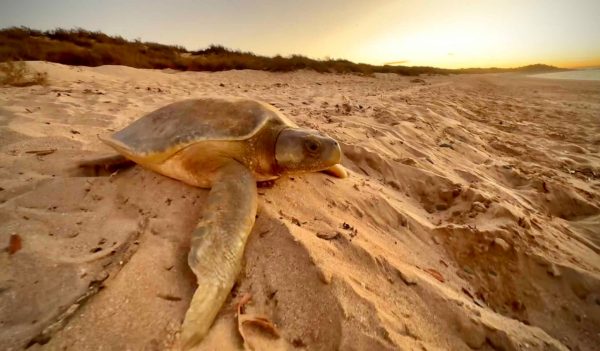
point(441, 33)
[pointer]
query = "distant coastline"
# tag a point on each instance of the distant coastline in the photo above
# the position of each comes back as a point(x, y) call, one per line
point(579, 74)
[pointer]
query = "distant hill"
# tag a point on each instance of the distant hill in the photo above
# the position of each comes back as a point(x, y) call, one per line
point(537, 68)
point(87, 48)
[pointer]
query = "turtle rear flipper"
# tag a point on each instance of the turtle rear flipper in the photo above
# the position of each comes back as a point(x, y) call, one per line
point(217, 247)
point(104, 166)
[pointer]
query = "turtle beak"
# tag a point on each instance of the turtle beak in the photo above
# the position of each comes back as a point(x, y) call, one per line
point(335, 155)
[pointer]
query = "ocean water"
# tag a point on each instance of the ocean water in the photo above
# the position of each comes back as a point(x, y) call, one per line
point(582, 74)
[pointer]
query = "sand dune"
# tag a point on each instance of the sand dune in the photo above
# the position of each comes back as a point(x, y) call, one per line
point(471, 219)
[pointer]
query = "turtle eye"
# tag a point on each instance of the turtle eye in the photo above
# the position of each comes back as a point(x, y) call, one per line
point(312, 146)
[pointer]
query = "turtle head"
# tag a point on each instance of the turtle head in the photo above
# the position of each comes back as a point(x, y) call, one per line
point(304, 150)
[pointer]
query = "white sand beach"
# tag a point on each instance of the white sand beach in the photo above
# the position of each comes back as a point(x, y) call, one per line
point(470, 220)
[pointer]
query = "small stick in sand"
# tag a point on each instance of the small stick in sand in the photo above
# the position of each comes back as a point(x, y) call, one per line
point(41, 152)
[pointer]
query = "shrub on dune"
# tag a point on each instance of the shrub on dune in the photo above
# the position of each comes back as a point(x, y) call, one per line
point(18, 74)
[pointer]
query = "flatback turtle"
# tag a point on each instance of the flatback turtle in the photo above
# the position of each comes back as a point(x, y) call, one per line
point(226, 145)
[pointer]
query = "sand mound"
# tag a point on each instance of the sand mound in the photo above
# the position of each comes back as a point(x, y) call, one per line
point(470, 221)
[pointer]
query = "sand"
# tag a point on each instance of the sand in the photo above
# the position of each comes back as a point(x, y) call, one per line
point(471, 218)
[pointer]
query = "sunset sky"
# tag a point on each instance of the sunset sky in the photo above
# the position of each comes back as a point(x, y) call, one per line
point(448, 34)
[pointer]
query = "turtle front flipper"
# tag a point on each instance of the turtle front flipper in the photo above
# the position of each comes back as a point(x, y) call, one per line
point(337, 171)
point(217, 247)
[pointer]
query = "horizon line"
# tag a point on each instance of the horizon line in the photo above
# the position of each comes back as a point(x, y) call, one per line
point(401, 63)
